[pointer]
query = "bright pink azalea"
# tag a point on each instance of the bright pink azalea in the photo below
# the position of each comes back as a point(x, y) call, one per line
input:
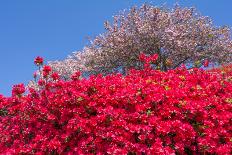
point(154, 58)
point(145, 112)
point(206, 63)
point(55, 76)
point(18, 89)
point(142, 57)
point(46, 70)
point(41, 82)
point(76, 76)
point(38, 61)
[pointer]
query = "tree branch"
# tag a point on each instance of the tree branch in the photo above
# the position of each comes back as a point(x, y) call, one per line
point(181, 62)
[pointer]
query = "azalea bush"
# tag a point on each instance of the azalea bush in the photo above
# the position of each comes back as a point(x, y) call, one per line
point(146, 112)
point(225, 69)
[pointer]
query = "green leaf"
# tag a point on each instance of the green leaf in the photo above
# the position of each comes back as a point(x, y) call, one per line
point(167, 88)
point(149, 112)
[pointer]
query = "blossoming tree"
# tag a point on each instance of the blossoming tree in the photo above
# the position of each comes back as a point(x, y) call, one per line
point(178, 35)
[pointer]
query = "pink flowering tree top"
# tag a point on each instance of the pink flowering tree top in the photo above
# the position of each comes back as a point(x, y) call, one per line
point(178, 36)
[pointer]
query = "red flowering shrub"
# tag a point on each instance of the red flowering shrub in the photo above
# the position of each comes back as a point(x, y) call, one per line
point(144, 112)
point(225, 69)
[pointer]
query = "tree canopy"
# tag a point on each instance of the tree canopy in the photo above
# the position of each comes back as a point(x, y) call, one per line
point(178, 35)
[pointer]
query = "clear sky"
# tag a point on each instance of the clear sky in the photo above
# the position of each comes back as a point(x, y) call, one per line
point(54, 29)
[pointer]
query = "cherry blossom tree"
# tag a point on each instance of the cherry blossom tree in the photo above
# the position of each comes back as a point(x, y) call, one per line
point(178, 35)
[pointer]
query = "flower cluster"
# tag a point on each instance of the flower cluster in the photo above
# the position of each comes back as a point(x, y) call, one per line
point(43, 75)
point(38, 61)
point(145, 112)
point(46, 71)
point(148, 59)
point(18, 90)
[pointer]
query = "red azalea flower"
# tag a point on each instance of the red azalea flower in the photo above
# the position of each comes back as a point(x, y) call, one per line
point(41, 82)
point(142, 57)
point(76, 76)
point(206, 63)
point(147, 59)
point(38, 61)
point(55, 76)
point(18, 89)
point(47, 69)
point(154, 58)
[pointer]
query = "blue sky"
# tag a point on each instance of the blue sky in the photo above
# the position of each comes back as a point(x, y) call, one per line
point(55, 28)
